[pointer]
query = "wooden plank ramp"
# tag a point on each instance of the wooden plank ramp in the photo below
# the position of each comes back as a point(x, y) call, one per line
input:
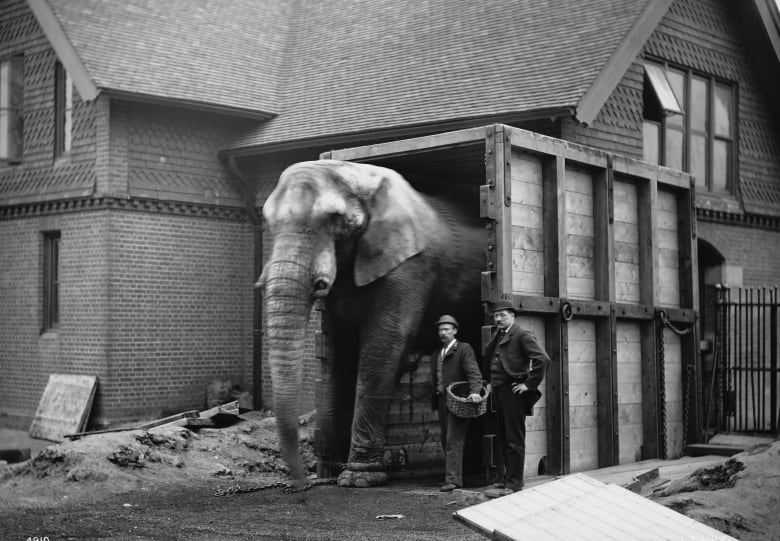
point(579, 507)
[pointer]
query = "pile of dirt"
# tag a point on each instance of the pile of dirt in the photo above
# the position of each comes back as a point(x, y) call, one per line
point(246, 452)
point(739, 497)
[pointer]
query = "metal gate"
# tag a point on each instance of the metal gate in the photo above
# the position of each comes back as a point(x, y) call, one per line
point(745, 371)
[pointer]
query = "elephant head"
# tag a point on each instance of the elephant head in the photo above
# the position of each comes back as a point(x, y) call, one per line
point(329, 220)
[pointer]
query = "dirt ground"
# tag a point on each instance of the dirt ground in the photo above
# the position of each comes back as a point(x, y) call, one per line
point(163, 485)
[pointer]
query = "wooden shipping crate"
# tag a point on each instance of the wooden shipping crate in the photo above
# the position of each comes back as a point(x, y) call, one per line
point(598, 251)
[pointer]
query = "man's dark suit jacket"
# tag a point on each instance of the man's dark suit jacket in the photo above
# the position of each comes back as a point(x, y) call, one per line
point(521, 355)
point(523, 358)
point(459, 364)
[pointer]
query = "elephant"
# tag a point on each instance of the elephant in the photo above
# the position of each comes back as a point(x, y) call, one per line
point(388, 261)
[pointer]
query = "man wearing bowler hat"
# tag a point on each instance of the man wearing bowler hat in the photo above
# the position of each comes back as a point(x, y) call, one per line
point(514, 365)
point(453, 361)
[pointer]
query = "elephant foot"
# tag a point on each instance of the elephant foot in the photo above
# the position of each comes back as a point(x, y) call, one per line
point(360, 475)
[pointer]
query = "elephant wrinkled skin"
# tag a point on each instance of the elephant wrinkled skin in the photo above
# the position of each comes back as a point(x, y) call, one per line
point(389, 261)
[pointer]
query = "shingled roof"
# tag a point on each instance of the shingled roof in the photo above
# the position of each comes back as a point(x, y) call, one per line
point(374, 65)
point(316, 69)
point(219, 54)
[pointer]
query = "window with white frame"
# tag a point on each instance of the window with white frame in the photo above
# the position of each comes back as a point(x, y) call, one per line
point(11, 101)
point(689, 124)
point(63, 111)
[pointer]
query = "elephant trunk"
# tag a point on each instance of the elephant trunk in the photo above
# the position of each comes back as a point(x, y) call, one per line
point(288, 302)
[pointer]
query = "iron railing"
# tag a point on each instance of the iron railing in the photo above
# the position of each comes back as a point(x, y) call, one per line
point(745, 360)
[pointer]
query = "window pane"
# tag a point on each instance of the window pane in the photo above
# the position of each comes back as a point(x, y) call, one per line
point(656, 76)
point(720, 165)
point(5, 134)
point(5, 113)
point(698, 108)
point(699, 159)
point(650, 148)
point(722, 110)
point(674, 149)
point(677, 81)
point(5, 84)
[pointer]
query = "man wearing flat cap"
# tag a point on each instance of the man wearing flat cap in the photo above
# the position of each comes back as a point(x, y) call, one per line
point(453, 361)
point(514, 365)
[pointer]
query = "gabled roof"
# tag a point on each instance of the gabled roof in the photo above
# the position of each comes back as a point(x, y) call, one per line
point(377, 65)
point(224, 55)
point(335, 69)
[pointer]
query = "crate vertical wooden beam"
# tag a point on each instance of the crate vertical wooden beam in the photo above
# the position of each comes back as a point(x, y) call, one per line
point(607, 391)
point(502, 160)
point(603, 232)
point(689, 295)
point(647, 197)
point(554, 201)
point(606, 331)
point(557, 392)
point(556, 329)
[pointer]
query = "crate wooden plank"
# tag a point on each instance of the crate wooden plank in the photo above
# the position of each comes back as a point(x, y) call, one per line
point(452, 139)
point(548, 146)
point(64, 407)
point(579, 507)
point(634, 311)
point(641, 170)
point(525, 238)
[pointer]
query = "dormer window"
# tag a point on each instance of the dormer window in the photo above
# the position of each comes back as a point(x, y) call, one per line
point(693, 129)
point(63, 111)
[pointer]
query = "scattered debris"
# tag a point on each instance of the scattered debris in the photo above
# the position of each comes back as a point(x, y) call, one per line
point(715, 478)
point(128, 455)
point(216, 416)
point(222, 391)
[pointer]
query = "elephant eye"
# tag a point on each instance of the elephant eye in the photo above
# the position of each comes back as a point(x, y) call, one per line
point(338, 224)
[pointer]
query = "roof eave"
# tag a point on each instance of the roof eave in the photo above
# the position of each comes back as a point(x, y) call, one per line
point(250, 114)
point(618, 63)
point(397, 132)
point(64, 48)
point(770, 15)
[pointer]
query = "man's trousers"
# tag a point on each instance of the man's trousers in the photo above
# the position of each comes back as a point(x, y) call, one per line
point(453, 439)
point(510, 416)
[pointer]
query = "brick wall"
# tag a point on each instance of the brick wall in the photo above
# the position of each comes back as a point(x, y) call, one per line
point(754, 249)
point(78, 345)
point(180, 291)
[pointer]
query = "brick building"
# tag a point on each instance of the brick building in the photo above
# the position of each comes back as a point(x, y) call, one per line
point(138, 140)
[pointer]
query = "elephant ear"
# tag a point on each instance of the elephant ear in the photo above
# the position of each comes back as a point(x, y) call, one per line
point(399, 227)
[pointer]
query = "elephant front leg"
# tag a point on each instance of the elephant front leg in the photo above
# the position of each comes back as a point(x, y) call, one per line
point(376, 383)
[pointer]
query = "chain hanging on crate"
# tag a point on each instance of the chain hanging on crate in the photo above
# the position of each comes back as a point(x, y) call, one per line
point(667, 323)
point(662, 391)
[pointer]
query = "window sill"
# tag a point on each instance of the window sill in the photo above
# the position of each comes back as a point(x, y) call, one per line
point(718, 202)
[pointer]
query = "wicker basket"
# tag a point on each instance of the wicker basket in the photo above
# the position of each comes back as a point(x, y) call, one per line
point(458, 403)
